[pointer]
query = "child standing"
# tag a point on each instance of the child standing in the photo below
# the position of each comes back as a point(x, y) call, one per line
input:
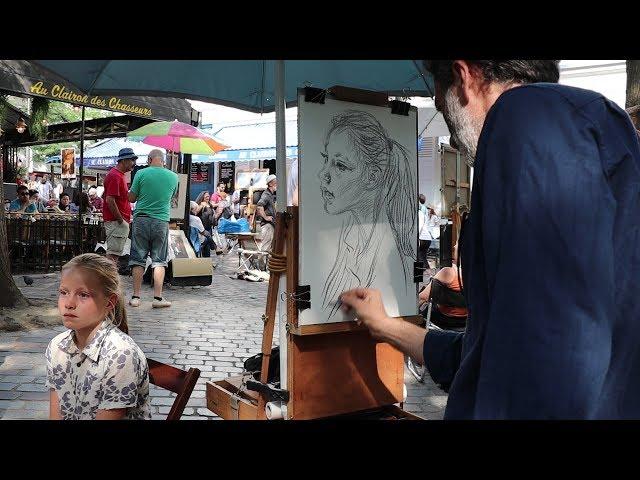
point(95, 370)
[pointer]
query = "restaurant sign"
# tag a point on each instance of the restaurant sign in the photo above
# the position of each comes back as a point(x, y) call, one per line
point(64, 94)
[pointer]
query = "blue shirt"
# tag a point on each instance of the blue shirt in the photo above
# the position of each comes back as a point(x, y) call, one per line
point(15, 206)
point(551, 264)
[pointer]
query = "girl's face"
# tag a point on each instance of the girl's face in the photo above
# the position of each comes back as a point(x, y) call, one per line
point(81, 305)
point(342, 176)
point(206, 197)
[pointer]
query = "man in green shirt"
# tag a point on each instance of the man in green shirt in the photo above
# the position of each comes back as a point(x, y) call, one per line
point(152, 189)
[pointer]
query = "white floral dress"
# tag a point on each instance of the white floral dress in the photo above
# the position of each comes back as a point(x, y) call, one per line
point(110, 372)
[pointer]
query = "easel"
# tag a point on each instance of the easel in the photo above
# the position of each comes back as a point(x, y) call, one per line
point(332, 369)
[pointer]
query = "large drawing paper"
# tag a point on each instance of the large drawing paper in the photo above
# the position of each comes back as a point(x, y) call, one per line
point(358, 206)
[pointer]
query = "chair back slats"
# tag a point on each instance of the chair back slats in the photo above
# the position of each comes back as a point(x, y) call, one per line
point(175, 380)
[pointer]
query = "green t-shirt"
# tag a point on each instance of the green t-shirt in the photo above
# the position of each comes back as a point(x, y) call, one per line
point(154, 187)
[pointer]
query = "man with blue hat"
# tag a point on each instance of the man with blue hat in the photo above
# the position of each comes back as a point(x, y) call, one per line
point(117, 213)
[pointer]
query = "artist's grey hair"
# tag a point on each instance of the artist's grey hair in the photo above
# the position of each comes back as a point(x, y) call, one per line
point(499, 71)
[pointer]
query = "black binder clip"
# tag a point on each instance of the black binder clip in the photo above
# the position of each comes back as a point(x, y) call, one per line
point(399, 108)
point(303, 296)
point(314, 95)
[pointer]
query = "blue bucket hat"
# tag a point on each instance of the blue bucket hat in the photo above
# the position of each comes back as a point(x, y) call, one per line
point(126, 154)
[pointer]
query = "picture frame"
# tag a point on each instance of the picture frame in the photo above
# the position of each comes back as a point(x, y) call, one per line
point(68, 163)
point(178, 201)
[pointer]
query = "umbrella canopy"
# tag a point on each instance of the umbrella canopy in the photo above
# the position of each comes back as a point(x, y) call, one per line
point(178, 137)
point(244, 84)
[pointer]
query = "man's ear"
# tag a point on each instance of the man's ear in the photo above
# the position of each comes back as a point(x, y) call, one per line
point(465, 80)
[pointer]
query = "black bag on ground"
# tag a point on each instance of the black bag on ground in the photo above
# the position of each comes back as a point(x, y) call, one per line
point(254, 364)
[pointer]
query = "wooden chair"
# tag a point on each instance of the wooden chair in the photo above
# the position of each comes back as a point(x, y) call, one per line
point(176, 380)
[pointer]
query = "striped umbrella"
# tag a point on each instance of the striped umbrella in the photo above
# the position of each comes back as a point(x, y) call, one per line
point(177, 137)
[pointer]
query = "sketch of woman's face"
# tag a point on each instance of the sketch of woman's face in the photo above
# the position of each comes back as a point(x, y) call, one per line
point(340, 176)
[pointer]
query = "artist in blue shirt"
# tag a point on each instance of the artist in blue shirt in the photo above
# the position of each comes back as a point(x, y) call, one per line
point(550, 251)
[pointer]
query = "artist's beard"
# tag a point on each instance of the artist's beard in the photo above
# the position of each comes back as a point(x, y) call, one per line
point(464, 129)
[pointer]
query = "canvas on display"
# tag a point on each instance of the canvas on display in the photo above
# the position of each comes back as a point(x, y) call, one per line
point(179, 198)
point(358, 206)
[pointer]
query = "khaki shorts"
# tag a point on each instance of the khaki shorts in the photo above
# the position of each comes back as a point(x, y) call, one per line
point(116, 236)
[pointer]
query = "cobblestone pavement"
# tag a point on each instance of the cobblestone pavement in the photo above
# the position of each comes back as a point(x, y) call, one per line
point(212, 328)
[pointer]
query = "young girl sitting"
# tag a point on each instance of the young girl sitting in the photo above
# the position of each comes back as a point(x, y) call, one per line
point(95, 370)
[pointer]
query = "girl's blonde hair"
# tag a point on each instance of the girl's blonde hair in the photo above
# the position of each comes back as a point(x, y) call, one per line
point(105, 273)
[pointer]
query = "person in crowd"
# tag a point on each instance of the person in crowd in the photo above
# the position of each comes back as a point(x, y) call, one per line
point(424, 234)
point(422, 205)
point(34, 197)
point(538, 343)
point(80, 203)
point(94, 200)
point(100, 188)
point(216, 197)
point(203, 201)
point(45, 189)
point(152, 190)
point(63, 205)
point(266, 211)
point(207, 215)
point(33, 182)
point(206, 242)
point(57, 188)
point(22, 202)
point(292, 184)
point(451, 277)
point(117, 214)
point(224, 208)
point(95, 371)
point(235, 203)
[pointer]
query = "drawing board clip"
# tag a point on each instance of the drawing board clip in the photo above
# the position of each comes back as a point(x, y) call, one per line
point(303, 296)
point(314, 95)
point(399, 108)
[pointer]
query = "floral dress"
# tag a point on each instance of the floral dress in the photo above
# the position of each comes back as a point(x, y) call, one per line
point(110, 372)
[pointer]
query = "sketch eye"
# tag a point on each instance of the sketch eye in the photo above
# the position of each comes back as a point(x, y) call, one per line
point(325, 156)
point(342, 167)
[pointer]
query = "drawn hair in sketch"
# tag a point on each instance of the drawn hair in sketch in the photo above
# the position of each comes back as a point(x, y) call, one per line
point(367, 177)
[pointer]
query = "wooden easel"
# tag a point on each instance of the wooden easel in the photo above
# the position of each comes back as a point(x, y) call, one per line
point(332, 369)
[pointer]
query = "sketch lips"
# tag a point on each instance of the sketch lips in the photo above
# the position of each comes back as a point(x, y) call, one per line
point(326, 194)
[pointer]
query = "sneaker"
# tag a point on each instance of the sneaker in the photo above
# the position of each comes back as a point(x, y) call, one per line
point(134, 302)
point(160, 303)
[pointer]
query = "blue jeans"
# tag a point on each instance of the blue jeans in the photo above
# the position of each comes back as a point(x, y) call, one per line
point(149, 236)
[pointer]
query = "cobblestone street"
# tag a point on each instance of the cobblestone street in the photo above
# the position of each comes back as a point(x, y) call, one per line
point(212, 328)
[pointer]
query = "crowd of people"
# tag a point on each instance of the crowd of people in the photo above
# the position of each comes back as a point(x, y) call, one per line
point(43, 197)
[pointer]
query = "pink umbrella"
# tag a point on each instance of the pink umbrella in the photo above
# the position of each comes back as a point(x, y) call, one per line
point(177, 137)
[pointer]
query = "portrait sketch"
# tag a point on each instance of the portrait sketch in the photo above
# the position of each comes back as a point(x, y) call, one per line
point(68, 162)
point(180, 197)
point(358, 185)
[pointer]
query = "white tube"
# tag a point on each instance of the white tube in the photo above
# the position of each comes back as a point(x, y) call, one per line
point(405, 393)
point(273, 410)
point(283, 334)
